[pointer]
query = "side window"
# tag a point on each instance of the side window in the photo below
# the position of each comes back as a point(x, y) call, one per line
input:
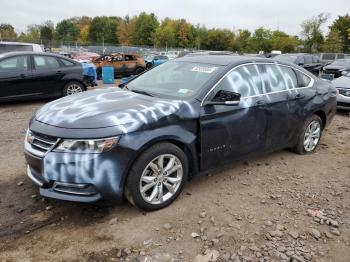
point(300, 60)
point(274, 79)
point(245, 80)
point(315, 59)
point(17, 63)
point(45, 62)
point(308, 59)
point(340, 56)
point(129, 58)
point(289, 76)
point(303, 80)
point(66, 62)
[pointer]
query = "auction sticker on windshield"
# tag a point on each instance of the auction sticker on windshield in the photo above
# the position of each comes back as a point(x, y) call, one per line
point(204, 69)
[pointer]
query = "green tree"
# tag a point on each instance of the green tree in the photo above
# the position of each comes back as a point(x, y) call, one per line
point(341, 25)
point(218, 39)
point(333, 43)
point(31, 35)
point(146, 26)
point(165, 34)
point(311, 31)
point(242, 41)
point(47, 32)
point(103, 28)
point(7, 32)
point(261, 40)
point(284, 42)
point(67, 31)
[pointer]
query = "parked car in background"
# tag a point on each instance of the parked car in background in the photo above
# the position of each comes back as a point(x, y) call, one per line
point(182, 118)
point(327, 58)
point(6, 47)
point(34, 75)
point(123, 64)
point(343, 85)
point(155, 60)
point(310, 62)
point(337, 67)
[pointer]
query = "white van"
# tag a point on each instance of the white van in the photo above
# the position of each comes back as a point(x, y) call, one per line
point(6, 47)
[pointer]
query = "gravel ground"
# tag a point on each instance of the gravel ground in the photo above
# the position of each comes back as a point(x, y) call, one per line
point(278, 207)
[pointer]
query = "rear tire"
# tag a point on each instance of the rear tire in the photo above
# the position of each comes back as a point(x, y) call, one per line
point(310, 136)
point(157, 177)
point(73, 87)
point(139, 70)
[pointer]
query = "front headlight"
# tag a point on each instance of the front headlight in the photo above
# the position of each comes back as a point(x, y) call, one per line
point(87, 146)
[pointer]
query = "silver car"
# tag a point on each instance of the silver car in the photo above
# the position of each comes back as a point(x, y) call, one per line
point(343, 85)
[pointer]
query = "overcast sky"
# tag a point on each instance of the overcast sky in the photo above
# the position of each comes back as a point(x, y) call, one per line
point(231, 14)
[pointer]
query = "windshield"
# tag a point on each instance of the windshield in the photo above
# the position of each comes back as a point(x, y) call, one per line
point(286, 58)
point(174, 79)
point(341, 62)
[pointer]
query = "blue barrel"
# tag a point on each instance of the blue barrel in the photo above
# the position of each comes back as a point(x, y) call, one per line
point(108, 75)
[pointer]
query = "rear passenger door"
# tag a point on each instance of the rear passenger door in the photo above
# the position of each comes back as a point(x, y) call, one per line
point(15, 77)
point(279, 83)
point(47, 75)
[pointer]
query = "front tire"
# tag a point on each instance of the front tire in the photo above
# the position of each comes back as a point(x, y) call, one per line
point(309, 136)
point(157, 177)
point(72, 88)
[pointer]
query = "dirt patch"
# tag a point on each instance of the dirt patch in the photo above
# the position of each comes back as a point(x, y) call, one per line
point(255, 210)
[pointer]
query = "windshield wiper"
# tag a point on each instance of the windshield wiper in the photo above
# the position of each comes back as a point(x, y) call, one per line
point(141, 92)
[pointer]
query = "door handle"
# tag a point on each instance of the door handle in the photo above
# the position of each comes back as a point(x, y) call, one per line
point(22, 75)
point(299, 96)
point(59, 72)
point(261, 103)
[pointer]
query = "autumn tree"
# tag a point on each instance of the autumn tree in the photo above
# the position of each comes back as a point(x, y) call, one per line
point(7, 32)
point(126, 30)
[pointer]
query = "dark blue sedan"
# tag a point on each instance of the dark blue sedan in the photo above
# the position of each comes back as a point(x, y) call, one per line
point(181, 119)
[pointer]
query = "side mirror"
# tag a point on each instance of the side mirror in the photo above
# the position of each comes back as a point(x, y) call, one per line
point(223, 97)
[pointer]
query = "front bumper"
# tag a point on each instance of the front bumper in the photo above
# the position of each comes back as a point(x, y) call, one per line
point(78, 177)
point(343, 102)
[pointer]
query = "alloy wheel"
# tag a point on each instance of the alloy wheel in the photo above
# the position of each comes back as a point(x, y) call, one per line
point(312, 135)
point(161, 179)
point(74, 89)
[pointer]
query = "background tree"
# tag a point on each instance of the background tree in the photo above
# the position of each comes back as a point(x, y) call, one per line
point(218, 39)
point(47, 32)
point(261, 40)
point(333, 43)
point(242, 41)
point(284, 42)
point(126, 30)
point(7, 32)
point(103, 28)
point(312, 33)
point(145, 28)
point(341, 25)
point(165, 34)
point(32, 34)
point(67, 31)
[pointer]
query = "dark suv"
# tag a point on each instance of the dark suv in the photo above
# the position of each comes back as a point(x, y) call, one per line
point(180, 119)
point(30, 75)
point(310, 62)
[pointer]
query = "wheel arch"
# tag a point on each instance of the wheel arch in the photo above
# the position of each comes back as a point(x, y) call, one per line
point(323, 117)
point(188, 149)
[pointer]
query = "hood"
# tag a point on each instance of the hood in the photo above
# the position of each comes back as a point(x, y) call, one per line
point(107, 108)
point(336, 67)
point(343, 81)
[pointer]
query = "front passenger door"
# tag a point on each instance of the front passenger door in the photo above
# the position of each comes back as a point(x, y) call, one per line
point(15, 77)
point(231, 132)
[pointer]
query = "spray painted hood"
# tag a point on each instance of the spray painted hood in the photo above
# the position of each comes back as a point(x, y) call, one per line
point(107, 108)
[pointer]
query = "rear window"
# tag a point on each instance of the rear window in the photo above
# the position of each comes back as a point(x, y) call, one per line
point(67, 63)
point(341, 56)
point(308, 59)
point(4, 48)
point(315, 59)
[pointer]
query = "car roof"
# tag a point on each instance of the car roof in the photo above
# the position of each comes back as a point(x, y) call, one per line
point(223, 60)
point(9, 54)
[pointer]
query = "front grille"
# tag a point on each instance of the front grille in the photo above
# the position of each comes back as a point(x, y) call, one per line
point(39, 144)
point(344, 92)
point(343, 104)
